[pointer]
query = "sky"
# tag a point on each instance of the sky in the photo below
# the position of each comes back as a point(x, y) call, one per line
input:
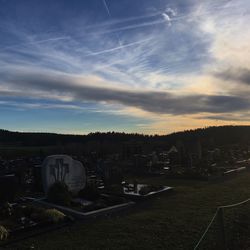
point(153, 67)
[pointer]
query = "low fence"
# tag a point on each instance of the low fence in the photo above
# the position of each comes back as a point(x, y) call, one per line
point(228, 229)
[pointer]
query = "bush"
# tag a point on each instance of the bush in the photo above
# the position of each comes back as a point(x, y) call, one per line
point(59, 193)
point(54, 215)
point(3, 233)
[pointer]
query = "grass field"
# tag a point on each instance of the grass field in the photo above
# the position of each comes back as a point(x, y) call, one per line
point(173, 221)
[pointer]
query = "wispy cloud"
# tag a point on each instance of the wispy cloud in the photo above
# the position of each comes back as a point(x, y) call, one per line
point(119, 47)
point(34, 43)
point(168, 15)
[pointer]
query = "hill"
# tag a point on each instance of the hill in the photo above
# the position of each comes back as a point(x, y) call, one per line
point(113, 142)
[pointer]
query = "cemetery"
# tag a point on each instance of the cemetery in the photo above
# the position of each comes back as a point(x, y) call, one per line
point(61, 189)
point(49, 192)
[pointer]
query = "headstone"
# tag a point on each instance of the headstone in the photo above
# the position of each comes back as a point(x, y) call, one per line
point(63, 168)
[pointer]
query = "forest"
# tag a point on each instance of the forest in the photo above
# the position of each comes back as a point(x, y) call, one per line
point(209, 137)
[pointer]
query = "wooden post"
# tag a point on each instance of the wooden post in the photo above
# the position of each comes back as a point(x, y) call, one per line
point(221, 230)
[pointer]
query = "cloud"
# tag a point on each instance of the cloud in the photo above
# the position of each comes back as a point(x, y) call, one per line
point(171, 12)
point(35, 42)
point(168, 15)
point(225, 22)
point(152, 101)
point(118, 47)
point(239, 75)
point(167, 18)
point(239, 117)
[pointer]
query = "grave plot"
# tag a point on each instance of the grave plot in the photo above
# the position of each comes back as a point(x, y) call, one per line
point(66, 188)
point(22, 219)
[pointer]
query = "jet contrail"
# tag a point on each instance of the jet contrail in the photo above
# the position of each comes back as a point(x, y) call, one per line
point(134, 26)
point(125, 20)
point(106, 7)
point(108, 11)
point(119, 47)
point(35, 42)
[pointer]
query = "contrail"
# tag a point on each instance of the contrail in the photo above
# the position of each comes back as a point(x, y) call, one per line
point(134, 26)
point(108, 11)
point(125, 20)
point(106, 7)
point(35, 42)
point(119, 47)
point(162, 20)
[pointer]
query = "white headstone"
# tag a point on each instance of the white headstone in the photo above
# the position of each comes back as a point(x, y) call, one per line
point(63, 168)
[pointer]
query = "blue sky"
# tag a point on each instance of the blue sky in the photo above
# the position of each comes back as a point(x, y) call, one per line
point(129, 65)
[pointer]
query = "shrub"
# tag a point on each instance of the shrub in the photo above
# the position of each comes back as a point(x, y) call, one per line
point(59, 194)
point(54, 215)
point(3, 233)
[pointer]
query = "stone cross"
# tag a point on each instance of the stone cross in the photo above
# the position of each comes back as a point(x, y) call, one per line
point(59, 170)
point(63, 168)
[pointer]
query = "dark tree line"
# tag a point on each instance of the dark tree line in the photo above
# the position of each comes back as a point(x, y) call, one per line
point(116, 142)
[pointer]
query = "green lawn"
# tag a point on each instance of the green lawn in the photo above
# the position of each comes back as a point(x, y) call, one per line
point(173, 221)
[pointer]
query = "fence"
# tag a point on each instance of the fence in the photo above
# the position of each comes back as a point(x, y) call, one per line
point(228, 229)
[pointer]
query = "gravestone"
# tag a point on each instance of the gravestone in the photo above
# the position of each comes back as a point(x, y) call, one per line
point(62, 168)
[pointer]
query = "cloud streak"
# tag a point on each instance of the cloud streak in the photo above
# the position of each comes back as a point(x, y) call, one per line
point(35, 42)
point(119, 47)
point(151, 101)
point(238, 75)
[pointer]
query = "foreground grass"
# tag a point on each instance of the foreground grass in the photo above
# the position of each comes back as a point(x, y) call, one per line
point(167, 222)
